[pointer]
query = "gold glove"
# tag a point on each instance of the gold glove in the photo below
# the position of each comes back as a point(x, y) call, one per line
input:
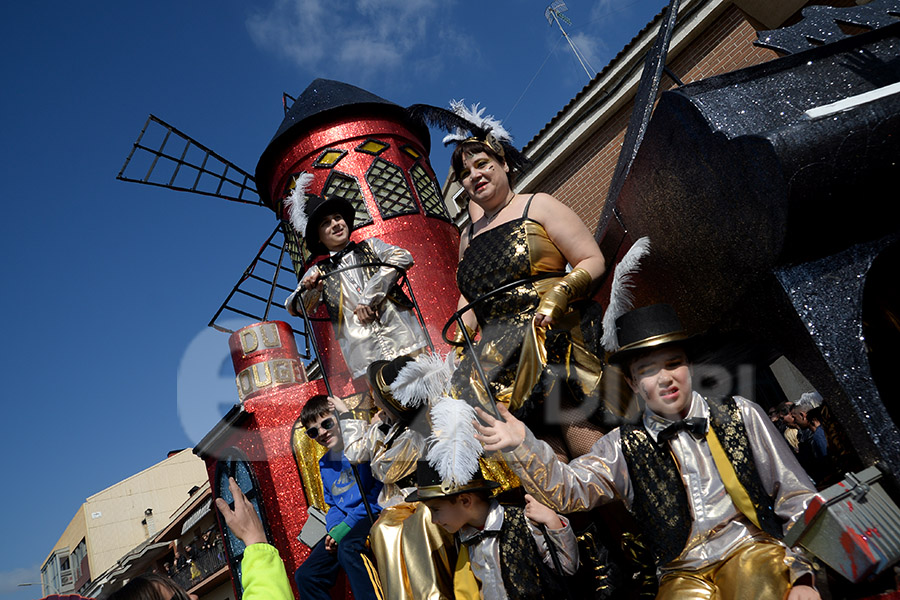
point(573, 286)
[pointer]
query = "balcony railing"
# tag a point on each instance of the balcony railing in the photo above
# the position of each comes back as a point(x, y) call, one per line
point(205, 563)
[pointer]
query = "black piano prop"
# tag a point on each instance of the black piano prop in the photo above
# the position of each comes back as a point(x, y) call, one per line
point(772, 196)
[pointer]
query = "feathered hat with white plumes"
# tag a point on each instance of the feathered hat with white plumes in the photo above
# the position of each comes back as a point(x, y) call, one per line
point(305, 210)
point(452, 450)
point(628, 332)
point(620, 294)
point(470, 124)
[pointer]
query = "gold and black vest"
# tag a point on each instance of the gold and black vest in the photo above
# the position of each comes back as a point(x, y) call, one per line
point(660, 501)
point(525, 576)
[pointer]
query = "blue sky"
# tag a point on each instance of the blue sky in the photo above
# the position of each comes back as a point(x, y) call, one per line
point(106, 285)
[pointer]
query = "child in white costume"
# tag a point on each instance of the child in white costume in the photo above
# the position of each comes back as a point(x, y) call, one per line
point(711, 481)
point(372, 317)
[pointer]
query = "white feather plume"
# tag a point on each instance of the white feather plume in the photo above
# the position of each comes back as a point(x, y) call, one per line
point(425, 378)
point(453, 450)
point(476, 116)
point(458, 136)
point(620, 296)
point(296, 202)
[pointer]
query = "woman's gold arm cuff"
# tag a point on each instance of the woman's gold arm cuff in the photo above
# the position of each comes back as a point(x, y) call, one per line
point(573, 286)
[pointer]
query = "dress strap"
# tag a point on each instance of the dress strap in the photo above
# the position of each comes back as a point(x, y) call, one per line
point(527, 206)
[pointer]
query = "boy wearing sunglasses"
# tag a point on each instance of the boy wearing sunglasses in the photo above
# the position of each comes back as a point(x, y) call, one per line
point(346, 520)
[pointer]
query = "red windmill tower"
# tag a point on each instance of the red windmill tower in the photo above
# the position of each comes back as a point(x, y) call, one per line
point(368, 151)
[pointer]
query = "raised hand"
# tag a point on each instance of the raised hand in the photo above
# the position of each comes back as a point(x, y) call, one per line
point(243, 520)
point(541, 513)
point(496, 434)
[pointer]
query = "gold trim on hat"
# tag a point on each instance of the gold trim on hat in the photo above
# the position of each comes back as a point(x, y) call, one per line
point(446, 488)
point(650, 342)
point(384, 390)
point(656, 340)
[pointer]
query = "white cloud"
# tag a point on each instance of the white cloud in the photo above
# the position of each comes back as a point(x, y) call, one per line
point(367, 38)
point(592, 49)
point(601, 10)
point(10, 580)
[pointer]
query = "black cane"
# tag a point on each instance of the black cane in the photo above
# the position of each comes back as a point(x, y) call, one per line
point(554, 556)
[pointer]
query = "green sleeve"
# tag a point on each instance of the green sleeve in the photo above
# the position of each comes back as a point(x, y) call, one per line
point(262, 574)
point(338, 532)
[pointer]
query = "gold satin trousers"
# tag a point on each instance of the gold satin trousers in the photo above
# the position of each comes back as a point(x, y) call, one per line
point(756, 571)
point(414, 557)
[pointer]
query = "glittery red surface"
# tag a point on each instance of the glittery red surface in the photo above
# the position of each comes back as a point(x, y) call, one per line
point(432, 242)
point(265, 436)
point(260, 343)
point(346, 135)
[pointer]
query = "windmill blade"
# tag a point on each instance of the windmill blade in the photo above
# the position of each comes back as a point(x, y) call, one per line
point(265, 284)
point(165, 157)
point(644, 100)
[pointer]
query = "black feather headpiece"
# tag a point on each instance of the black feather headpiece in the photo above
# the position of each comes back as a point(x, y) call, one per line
point(469, 124)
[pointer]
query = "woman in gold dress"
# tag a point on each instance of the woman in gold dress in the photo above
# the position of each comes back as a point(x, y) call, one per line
point(537, 338)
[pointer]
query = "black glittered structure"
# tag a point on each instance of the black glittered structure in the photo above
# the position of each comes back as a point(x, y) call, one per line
point(783, 225)
point(324, 100)
point(823, 25)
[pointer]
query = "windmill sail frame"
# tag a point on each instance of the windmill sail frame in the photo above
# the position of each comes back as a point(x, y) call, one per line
point(211, 175)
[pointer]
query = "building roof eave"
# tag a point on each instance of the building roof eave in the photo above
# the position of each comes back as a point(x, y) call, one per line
point(612, 88)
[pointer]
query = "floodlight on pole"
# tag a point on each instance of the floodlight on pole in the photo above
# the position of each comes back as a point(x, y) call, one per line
point(553, 14)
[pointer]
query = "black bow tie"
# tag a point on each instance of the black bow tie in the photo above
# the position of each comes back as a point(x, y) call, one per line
point(482, 535)
point(336, 257)
point(695, 425)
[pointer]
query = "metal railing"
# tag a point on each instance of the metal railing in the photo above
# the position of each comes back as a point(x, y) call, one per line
point(203, 564)
point(467, 339)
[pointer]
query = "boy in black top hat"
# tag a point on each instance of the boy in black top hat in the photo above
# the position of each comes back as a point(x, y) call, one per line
point(711, 481)
point(373, 318)
point(505, 546)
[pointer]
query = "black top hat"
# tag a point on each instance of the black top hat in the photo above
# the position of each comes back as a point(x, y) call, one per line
point(381, 374)
point(430, 485)
point(318, 208)
point(648, 328)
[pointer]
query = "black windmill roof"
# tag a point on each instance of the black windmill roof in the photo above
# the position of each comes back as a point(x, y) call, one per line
point(325, 100)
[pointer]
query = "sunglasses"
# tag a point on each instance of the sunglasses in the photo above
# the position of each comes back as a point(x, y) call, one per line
point(315, 432)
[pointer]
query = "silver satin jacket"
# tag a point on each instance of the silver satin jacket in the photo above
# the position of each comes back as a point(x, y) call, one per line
point(484, 556)
point(718, 526)
point(364, 442)
point(396, 331)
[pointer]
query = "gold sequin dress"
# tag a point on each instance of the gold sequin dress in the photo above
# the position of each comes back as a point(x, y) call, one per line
point(565, 373)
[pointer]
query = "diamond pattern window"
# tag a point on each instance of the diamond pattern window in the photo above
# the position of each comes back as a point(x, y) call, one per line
point(428, 192)
point(346, 187)
point(296, 248)
point(390, 189)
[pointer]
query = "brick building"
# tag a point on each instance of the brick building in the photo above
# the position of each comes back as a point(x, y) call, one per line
point(574, 155)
